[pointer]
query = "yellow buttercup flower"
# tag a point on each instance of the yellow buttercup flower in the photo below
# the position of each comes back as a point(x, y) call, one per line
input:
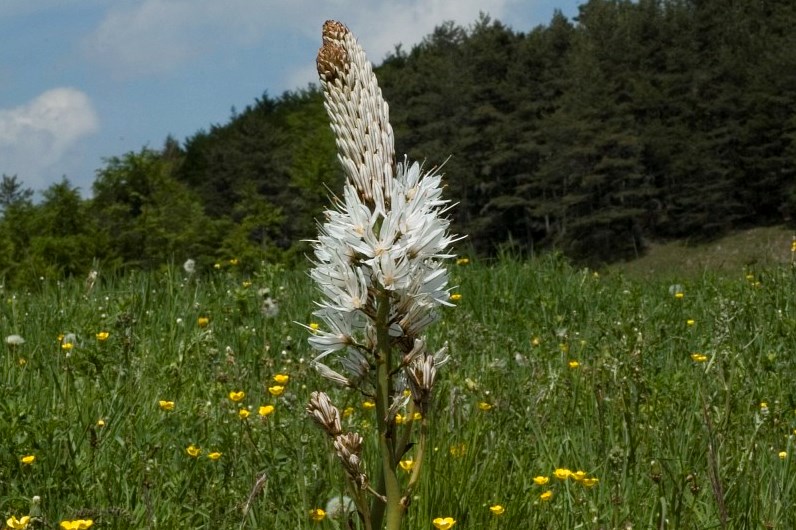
point(417, 416)
point(265, 410)
point(690, 322)
point(399, 419)
point(237, 396)
point(21, 523)
point(317, 515)
point(458, 450)
point(455, 297)
point(102, 336)
point(562, 473)
point(281, 379)
point(67, 346)
point(783, 455)
point(578, 475)
point(443, 523)
point(573, 364)
point(497, 509)
point(546, 496)
point(276, 390)
point(407, 464)
point(166, 405)
point(100, 423)
point(540, 480)
point(486, 407)
point(202, 322)
point(462, 261)
point(215, 455)
point(679, 295)
point(589, 482)
point(368, 405)
point(28, 459)
point(243, 413)
point(314, 326)
point(698, 357)
point(349, 411)
point(78, 524)
point(193, 451)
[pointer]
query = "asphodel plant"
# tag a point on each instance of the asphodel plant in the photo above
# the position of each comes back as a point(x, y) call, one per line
point(379, 266)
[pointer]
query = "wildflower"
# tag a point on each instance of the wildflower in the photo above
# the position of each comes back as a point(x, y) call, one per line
point(497, 509)
point(314, 326)
point(215, 455)
point(679, 295)
point(189, 266)
point(455, 297)
point(407, 464)
point(237, 396)
point(348, 411)
point(340, 506)
point(281, 379)
point(400, 419)
point(78, 524)
point(100, 423)
point(269, 308)
point(21, 523)
point(193, 451)
point(388, 234)
point(484, 406)
point(417, 416)
point(579, 475)
point(676, 289)
point(233, 261)
point(216, 266)
point(265, 410)
point(243, 413)
point(546, 496)
point(22, 361)
point(562, 473)
point(368, 405)
point(28, 459)
point(67, 346)
point(462, 261)
point(246, 284)
point(276, 390)
point(540, 480)
point(458, 450)
point(15, 340)
point(690, 322)
point(573, 364)
point(202, 322)
point(317, 515)
point(699, 357)
point(443, 523)
point(590, 481)
point(536, 341)
point(783, 455)
point(102, 336)
point(166, 405)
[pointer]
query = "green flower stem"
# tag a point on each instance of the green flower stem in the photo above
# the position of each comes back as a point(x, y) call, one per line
point(418, 459)
point(389, 478)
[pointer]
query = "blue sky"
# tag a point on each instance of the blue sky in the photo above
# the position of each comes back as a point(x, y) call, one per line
point(83, 80)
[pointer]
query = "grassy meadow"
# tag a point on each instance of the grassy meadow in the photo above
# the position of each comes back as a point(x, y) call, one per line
point(670, 401)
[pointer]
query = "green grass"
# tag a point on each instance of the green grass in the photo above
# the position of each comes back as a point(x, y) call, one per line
point(753, 248)
point(670, 439)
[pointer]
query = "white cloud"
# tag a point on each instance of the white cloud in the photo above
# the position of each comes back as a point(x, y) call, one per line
point(36, 138)
point(155, 36)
